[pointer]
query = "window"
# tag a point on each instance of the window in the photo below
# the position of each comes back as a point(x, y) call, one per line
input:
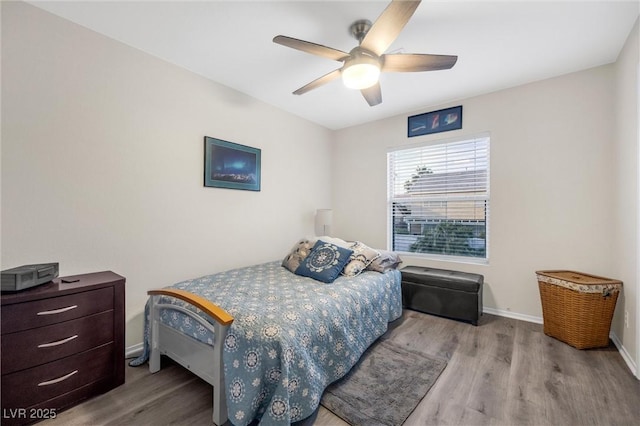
point(438, 198)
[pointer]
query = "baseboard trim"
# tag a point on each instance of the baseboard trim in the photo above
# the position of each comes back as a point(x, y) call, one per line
point(134, 351)
point(514, 315)
point(625, 354)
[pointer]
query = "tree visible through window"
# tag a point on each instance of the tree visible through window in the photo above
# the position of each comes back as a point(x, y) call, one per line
point(438, 200)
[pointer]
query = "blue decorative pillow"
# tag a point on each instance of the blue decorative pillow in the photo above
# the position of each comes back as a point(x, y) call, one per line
point(325, 262)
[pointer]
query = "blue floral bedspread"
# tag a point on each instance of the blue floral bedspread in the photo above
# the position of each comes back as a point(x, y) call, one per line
point(291, 336)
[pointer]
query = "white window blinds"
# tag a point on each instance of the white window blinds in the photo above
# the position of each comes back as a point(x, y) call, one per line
point(438, 198)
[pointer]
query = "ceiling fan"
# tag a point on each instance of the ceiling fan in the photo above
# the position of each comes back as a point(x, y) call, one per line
point(362, 66)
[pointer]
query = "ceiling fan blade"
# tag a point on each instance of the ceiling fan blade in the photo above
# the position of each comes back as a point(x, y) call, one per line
point(373, 94)
point(412, 62)
point(318, 82)
point(313, 48)
point(388, 26)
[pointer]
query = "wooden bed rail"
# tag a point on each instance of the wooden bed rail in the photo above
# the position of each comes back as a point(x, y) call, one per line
point(213, 310)
point(202, 359)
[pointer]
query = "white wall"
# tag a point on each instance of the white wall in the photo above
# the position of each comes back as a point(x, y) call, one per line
point(551, 182)
point(627, 192)
point(102, 163)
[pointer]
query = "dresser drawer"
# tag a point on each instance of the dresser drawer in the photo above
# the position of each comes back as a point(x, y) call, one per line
point(38, 313)
point(29, 387)
point(37, 346)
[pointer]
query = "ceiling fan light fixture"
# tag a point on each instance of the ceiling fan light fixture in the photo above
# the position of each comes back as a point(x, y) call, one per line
point(361, 71)
point(361, 67)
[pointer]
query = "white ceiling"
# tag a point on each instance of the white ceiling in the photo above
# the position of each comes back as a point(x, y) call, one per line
point(499, 44)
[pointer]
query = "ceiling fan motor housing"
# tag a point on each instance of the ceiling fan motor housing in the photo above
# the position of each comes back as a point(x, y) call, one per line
point(360, 28)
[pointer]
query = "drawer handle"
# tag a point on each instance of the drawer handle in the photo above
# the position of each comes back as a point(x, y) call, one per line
point(58, 380)
point(59, 342)
point(57, 311)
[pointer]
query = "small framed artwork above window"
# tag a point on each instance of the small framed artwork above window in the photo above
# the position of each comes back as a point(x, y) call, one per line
point(231, 165)
point(435, 122)
point(438, 199)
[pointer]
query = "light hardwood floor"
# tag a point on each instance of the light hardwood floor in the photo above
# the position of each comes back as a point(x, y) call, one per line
point(503, 372)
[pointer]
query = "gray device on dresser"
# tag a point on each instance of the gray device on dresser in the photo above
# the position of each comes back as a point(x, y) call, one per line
point(27, 276)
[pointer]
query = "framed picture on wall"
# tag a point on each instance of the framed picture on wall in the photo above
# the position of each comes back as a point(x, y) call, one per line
point(435, 121)
point(231, 165)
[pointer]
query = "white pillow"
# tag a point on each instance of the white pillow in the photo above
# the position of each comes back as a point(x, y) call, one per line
point(335, 241)
point(362, 257)
point(298, 253)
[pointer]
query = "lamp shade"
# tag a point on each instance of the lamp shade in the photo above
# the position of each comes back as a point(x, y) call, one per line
point(324, 220)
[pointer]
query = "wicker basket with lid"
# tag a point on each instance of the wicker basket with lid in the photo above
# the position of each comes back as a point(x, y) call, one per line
point(577, 308)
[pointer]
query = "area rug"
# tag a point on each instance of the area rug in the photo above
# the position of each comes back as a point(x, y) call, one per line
point(384, 387)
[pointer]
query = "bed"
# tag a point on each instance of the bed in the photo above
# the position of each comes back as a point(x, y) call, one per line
point(269, 341)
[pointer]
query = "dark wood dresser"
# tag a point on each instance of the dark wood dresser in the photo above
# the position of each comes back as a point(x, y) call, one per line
point(62, 342)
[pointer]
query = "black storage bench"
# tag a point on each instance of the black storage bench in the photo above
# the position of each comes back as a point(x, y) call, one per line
point(451, 294)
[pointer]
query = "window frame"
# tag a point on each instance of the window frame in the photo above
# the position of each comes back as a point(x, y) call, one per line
point(391, 199)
